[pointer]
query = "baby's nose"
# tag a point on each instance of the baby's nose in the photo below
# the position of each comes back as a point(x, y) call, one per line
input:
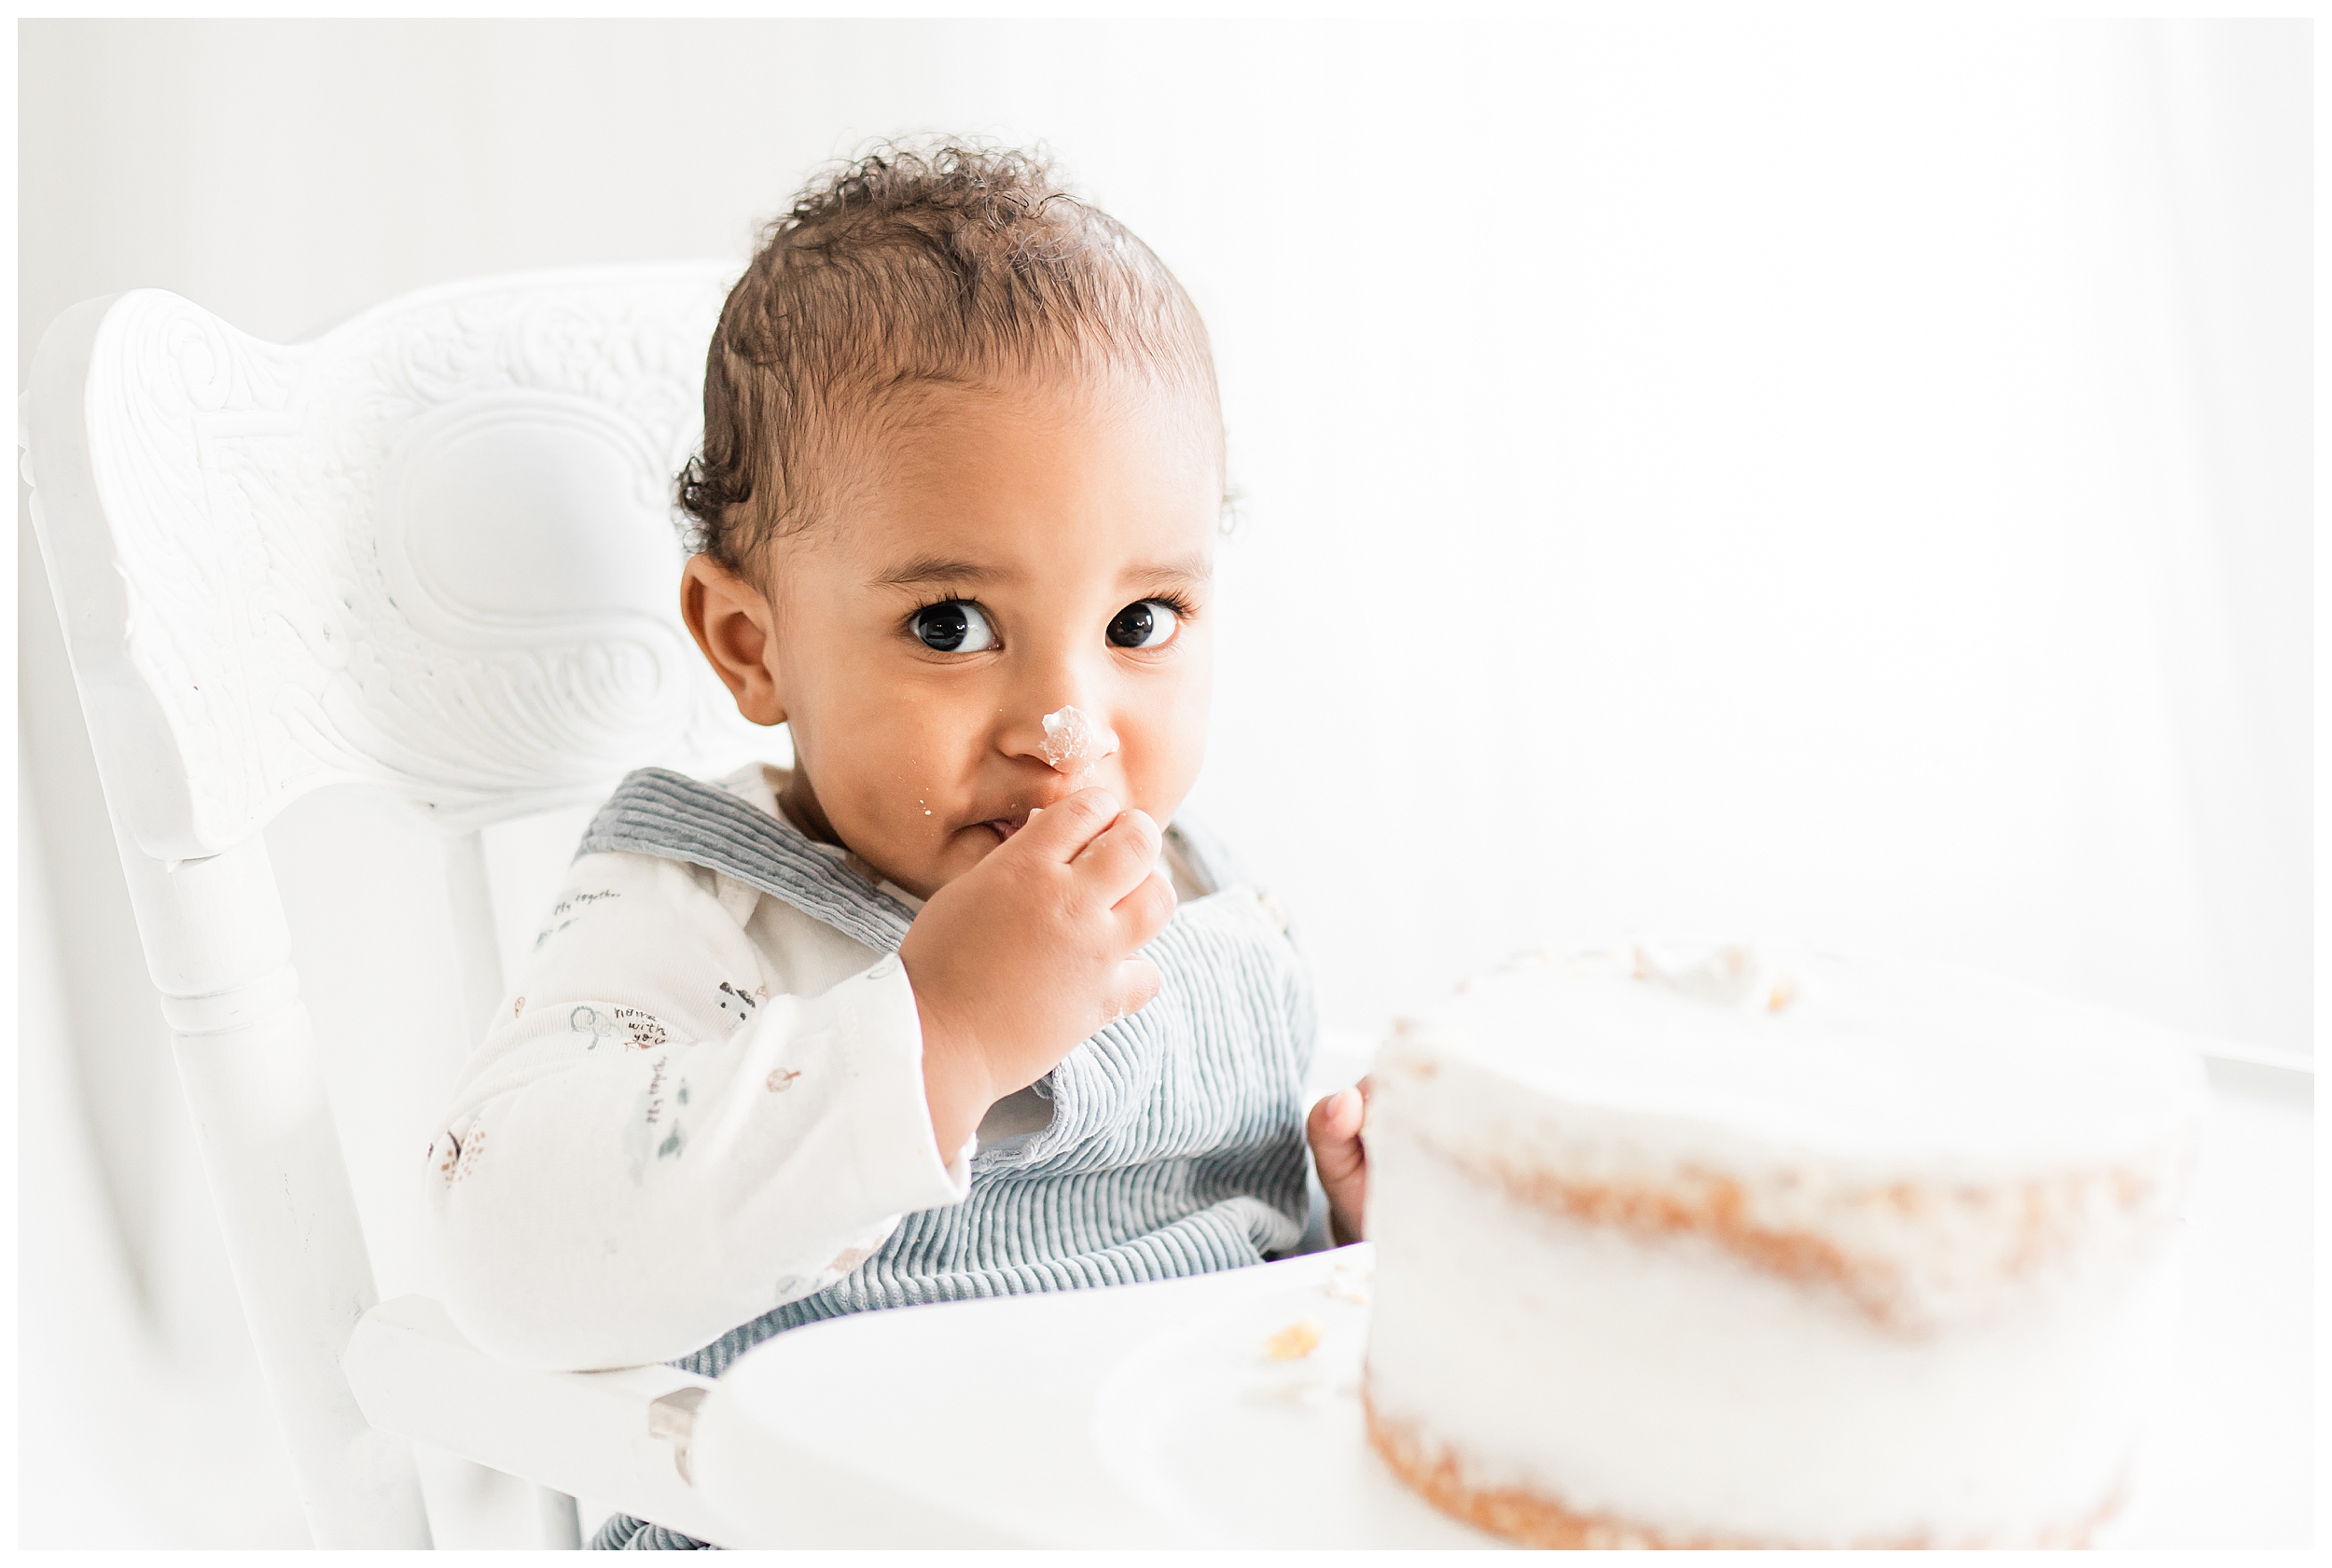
point(1074, 740)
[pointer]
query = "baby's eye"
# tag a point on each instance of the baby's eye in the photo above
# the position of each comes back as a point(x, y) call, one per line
point(953, 627)
point(1150, 624)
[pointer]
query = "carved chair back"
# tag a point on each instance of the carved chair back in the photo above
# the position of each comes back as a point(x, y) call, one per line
point(430, 552)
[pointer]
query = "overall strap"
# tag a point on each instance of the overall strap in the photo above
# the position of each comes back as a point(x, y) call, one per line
point(1211, 864)
point(674, 817)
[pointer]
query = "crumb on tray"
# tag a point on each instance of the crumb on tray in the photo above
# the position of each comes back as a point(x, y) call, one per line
point(1294, 1342)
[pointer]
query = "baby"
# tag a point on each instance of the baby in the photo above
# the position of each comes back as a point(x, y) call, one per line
point(956, 513)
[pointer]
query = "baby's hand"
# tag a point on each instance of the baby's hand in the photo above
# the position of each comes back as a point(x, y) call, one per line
point(1341, 1159)
point(1030, 952)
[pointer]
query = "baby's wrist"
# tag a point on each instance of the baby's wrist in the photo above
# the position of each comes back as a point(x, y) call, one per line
point(957, 1087)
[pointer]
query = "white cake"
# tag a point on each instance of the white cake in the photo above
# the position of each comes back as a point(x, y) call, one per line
point(1689, 1248)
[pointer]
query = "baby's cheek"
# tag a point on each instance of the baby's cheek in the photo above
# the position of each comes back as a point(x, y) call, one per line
point(1158, 774)
point(897, 841)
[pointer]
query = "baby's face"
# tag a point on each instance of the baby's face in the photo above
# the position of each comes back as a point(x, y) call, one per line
point(1025, 553)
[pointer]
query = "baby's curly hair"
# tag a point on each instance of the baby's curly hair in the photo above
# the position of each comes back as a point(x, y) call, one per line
point(946, 264)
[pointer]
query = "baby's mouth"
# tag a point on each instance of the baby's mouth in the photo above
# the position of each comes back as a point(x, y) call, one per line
point(1004, 827)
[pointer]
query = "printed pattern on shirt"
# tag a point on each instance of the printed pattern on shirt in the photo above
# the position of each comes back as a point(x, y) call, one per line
point(571, 908)
point(655, 1130)
point(737, 1004)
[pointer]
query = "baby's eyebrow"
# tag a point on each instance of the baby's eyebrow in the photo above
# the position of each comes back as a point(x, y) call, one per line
point(925, 570)
point(1189, 569)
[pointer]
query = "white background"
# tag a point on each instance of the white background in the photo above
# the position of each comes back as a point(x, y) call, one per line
point(1821, 480)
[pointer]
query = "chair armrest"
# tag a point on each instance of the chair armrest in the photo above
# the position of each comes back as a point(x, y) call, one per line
point(585, 1434)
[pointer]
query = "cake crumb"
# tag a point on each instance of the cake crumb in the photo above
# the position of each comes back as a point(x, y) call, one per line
point(1294, 1342)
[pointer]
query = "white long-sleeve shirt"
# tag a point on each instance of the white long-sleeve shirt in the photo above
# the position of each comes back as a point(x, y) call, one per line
point(699, 1105)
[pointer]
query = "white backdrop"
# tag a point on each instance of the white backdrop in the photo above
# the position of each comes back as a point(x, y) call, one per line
point(1820, 481)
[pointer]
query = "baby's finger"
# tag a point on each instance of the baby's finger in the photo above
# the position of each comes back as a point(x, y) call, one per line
point(1335, 1117)
point(1144, 912)
point(1115, 863)
point(1333, 1130)
point(1132, 988)
point(1061, 833)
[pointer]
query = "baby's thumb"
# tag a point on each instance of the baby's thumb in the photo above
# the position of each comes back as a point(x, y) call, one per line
point(1131, 990)
point(1333, 1130)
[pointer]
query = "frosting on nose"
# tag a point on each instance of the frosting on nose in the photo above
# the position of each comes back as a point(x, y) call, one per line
point(1074, 741)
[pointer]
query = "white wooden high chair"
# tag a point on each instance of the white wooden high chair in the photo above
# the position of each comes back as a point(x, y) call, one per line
point(431, 552)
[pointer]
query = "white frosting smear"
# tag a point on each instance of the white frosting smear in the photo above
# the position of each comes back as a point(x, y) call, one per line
point(1074, 741)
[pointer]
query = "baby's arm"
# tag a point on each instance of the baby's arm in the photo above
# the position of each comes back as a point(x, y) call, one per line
point(657, 1144)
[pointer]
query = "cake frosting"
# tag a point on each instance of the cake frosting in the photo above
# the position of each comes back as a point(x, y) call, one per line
point(1717, 1246)
point(1072, 741)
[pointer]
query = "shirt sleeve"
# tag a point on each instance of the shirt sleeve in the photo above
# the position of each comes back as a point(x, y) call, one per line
point(657, 1141)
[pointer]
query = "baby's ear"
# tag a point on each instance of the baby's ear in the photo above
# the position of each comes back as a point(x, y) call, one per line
point(732, 623)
